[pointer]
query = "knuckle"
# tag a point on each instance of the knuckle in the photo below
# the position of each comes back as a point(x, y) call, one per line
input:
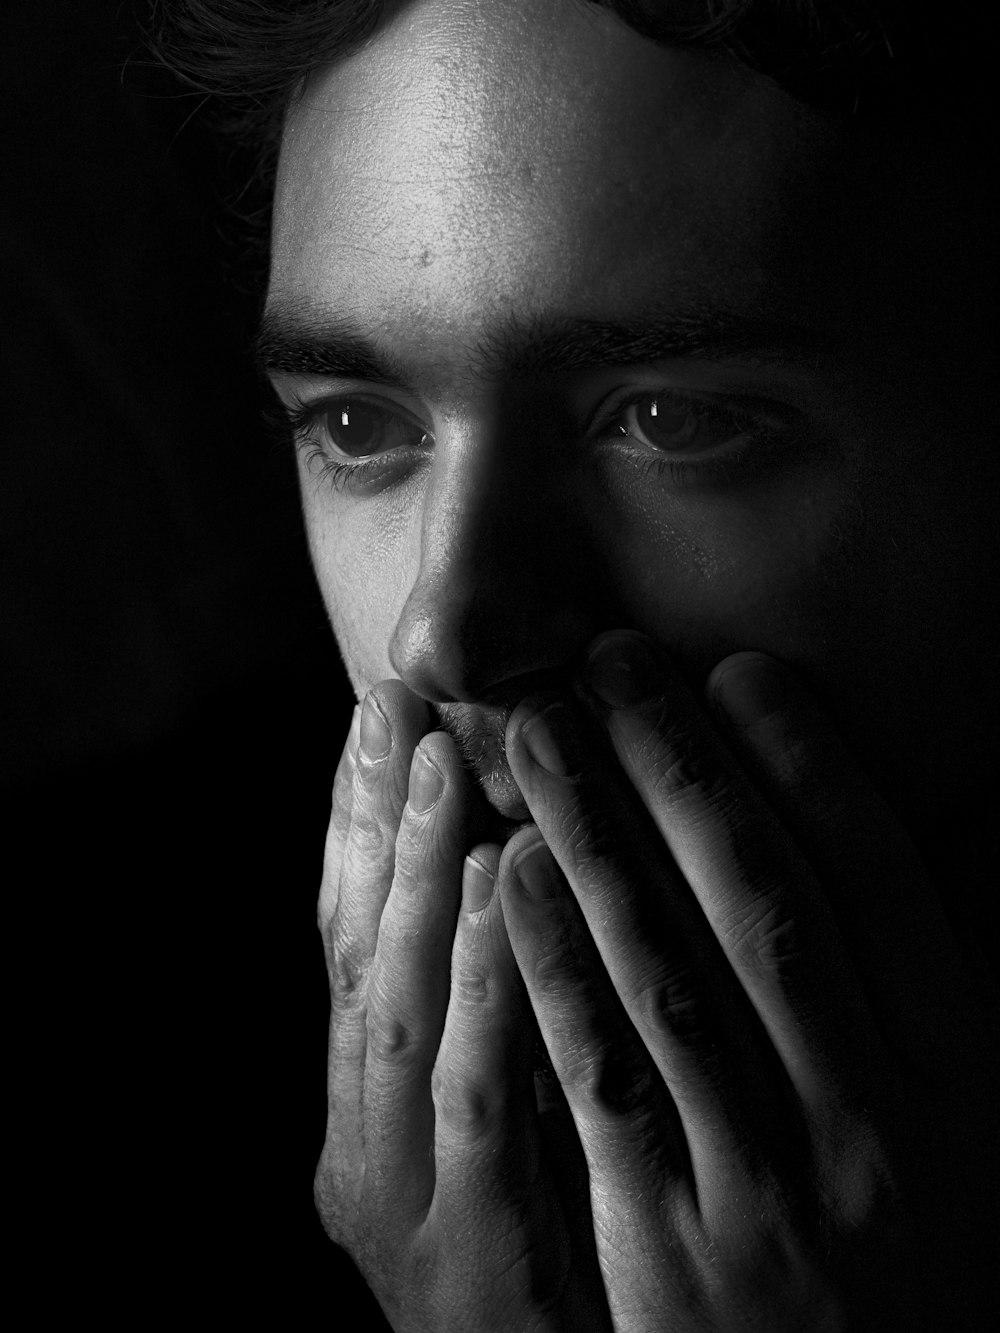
point(678, 759)
point(463, 1105)
point(555, 972)
point(470, 985)
point(764, 935)
point(674, 1008)
point(686, 775)
point(368, 834)
point(390, 1040)
point(395, 1034)
point(348, 972)
point(611, 1081)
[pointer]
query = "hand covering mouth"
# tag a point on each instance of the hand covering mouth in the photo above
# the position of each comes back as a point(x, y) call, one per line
point(479, 735)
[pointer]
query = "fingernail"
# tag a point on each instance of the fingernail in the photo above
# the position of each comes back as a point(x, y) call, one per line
point(551, 741)
point(751, 688)
point(622, 670)
point(537, 872)
point(354, 735)
point(426, 784)
point(477, 885)
point(376, 738)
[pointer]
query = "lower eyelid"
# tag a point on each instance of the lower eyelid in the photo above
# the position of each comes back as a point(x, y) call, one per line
point(373, 472)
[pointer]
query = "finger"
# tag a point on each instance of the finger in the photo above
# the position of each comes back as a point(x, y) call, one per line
point(754, 894)
point(885, 905)
point(662, 960)
point(391, 723)
point(486, 1138)
point(627, 1124)
point(409, 981)
point(495, 1180)
point(752, 881)
point(333, 1185)
point(340, 818)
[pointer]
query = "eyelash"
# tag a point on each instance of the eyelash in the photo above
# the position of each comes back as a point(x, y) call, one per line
point(749, 417)
point(299, 418)
point(754, 419)
point(340, 475)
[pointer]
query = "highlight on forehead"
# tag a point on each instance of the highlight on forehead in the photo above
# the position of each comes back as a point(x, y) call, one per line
point(855, 57)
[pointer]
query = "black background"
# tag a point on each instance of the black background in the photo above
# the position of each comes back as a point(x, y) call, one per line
point(172, 714)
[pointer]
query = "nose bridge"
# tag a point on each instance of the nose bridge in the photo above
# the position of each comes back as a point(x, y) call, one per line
point(492, 595)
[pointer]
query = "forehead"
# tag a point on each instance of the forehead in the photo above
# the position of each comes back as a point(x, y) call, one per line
point(539, 156)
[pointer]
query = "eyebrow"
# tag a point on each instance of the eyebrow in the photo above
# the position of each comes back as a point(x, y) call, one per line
point(294, 344)
point(301, 344)
point(564, 346)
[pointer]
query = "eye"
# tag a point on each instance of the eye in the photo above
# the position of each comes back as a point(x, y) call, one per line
point(674, 426)
point(354, 428)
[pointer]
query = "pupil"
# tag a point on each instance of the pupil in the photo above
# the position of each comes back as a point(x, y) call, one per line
point(353, 425)
point(667, 421)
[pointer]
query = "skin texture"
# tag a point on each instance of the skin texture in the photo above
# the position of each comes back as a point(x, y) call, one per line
point(756, 1112)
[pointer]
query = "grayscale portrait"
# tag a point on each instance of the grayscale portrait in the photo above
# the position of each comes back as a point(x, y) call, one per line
point(623, 373)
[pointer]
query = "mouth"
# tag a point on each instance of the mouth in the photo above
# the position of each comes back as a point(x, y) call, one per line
point(479, 736)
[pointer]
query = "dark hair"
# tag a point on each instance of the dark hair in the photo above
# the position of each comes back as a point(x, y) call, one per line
point(251, 56)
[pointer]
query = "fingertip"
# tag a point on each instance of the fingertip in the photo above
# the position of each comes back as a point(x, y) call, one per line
point(479, 873)
point(748, 687)
point(529, 872)
point(537, 874)
point(375, 732)
point(403, 710)
point(438, 750)
point(427, 781)
point(623, 668)
point(516, 845)
point(487, 855)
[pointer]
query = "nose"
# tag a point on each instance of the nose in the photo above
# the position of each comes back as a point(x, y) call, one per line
point(504, 594)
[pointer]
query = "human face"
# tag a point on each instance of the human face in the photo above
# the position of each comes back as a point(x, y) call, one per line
point(648, 346)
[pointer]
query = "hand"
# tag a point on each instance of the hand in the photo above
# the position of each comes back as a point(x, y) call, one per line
point(438, 1175)
point(783, 1082)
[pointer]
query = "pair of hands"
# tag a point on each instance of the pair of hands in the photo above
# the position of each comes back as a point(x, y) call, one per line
point(769, 1103)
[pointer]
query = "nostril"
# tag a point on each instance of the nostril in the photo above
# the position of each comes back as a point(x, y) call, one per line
point(486, 625)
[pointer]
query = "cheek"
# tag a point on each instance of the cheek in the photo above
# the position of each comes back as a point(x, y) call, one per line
point(706, 575)
point(713, 574)
point(361, 563)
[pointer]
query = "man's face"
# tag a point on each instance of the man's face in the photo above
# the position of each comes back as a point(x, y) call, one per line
point(647, 344)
